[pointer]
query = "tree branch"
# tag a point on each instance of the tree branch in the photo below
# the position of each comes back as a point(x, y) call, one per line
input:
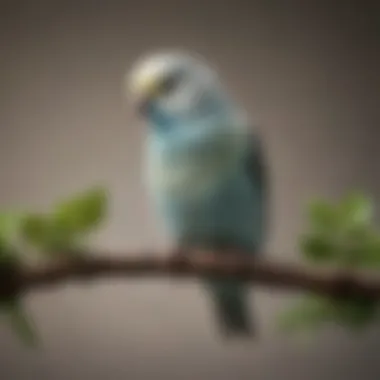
point(329, 282)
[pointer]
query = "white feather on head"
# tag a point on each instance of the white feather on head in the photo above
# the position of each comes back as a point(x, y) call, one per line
point(152, 68)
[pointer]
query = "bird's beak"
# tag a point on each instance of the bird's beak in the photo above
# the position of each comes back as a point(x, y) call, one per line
point(146, 89)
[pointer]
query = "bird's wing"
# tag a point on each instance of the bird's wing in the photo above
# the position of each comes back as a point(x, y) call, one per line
point(257, 172)
point(255, 163)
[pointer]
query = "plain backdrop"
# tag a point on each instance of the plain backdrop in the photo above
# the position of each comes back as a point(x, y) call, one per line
point(307, 71)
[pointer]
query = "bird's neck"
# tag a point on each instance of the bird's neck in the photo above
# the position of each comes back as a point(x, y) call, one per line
point(166, 126)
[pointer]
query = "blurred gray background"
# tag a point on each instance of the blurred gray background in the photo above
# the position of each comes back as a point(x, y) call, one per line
point(308, 72)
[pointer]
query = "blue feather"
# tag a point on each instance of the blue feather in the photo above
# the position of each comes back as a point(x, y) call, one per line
point(228, 212)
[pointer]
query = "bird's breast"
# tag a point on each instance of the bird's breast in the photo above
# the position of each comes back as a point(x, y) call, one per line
point(190, 172)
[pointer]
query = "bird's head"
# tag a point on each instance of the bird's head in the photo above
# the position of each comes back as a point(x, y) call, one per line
point(174, 88)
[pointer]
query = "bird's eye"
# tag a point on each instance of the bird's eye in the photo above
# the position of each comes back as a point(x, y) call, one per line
point(170, 83)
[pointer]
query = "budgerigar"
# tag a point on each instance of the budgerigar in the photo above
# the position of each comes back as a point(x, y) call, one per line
point(204, 168)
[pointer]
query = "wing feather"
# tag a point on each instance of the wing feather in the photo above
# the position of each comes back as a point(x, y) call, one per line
point(257, 170)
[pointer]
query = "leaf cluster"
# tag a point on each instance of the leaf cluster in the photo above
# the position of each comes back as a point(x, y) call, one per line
point(340, 234)
point(60, 233)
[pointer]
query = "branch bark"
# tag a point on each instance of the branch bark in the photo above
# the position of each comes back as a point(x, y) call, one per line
point(332, 282)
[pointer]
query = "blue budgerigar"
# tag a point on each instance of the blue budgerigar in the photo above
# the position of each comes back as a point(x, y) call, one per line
point(204, 169)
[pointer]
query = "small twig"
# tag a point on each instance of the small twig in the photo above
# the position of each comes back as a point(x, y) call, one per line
point(329, 282)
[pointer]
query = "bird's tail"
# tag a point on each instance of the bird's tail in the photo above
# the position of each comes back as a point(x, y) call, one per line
point(231, 308)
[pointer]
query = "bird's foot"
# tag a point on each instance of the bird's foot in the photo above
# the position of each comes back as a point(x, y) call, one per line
point(192, 255)
point(180, 256)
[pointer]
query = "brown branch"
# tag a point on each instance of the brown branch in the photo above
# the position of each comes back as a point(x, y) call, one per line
point(330, 282)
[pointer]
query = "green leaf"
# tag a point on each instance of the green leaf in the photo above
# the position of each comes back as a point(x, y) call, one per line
point(355, 313)
point(360, 247)
point(4, 249)
point(370, 252)
point(317, 248)
point(9, 260)
point(21, 323)
point(342, 233)
point(47, 236)
point(310, 312)
point(62, 230)
point(356, 209)
point(323, 217)
point(36, 229)
point(82, 213)
point(9, 226)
